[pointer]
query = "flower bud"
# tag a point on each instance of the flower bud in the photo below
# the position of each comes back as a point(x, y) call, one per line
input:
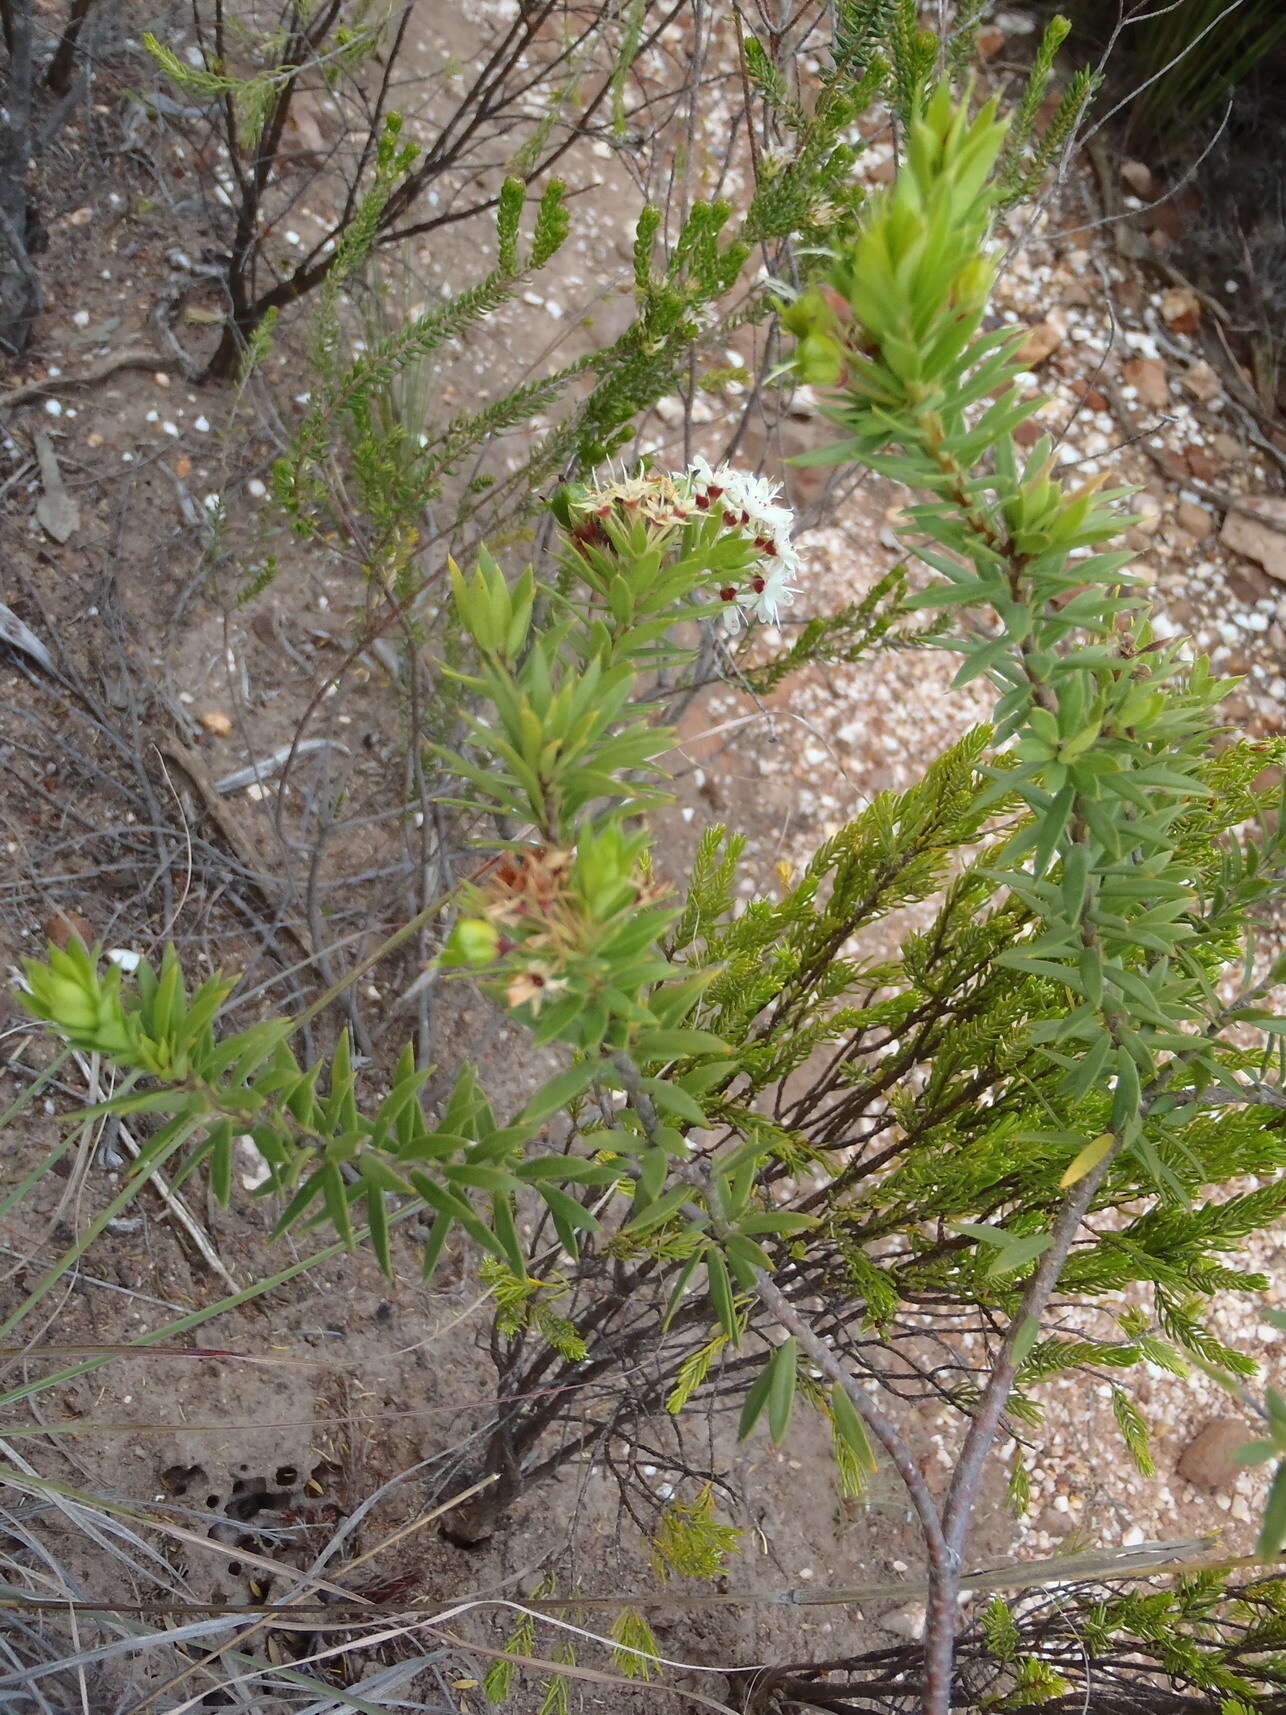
point(473, 941)
point(86, 1008)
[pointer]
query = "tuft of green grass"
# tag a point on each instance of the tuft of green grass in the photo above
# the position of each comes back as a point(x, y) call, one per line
point(1192, 56)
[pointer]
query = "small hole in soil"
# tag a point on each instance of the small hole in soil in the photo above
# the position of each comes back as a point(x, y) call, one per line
point(244, 1507)
point(212, 1500)
point(234, 1568)
point(285, 1475)
point(179, 1478)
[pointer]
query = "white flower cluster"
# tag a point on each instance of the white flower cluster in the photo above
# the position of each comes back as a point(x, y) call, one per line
point(749, 506)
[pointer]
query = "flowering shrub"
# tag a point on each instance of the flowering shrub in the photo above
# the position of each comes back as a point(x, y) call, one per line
point(768, 1144)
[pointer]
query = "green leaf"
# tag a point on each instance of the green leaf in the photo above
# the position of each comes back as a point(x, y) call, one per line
point(1134, 1431)
point(779, 1223)
point(480, 1177)
point(1255, 1452)
point(658, 1211)
point(439, 1233)
point(849, 1425)
point(307, 1193)
point(721, 1296)
point(1019, 1252)
point(654, 1164)
point(335, 1196)
point(554, 1096)
point(744, 1257)
point(167, 1101)
point(680, 1287)
point(1012, 1251)
point(756, 1400)
point(506, 1231)
point(377, 1221)
point(570, 1217)
point(456, 1209)
point(783, 1373)
point(1272, 1532)
point(1025, 1340)
point(678, 1044)
point(673, 1100)
point(570, 1169)
point(1126, 1096)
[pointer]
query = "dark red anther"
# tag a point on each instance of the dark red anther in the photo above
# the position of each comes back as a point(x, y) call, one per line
point(727, 593)
point(590, 533)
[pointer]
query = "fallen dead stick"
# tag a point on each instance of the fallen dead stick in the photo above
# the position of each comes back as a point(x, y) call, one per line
point(83, 378)
point(1156, 1560)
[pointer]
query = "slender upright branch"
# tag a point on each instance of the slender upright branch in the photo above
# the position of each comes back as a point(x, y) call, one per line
point(793, 1321)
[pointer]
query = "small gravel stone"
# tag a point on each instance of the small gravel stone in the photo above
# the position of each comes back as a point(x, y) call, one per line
point(1194, 519)
point(1209, 1460)
point(1147, 375)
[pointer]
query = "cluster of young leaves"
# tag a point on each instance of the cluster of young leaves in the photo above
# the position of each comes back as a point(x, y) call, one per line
point(558, 734)
point(1030, 150)
point(1106, 729)
point(524, 1304)
point(563, 747)
point(325, 1159)
point(935, 1125)
point(811, 190)
point(690, 1541)
point(946, 1196)
point(806, 194)
point(673, 306)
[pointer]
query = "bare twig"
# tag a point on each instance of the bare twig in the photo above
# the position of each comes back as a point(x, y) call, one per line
point(96, 372)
